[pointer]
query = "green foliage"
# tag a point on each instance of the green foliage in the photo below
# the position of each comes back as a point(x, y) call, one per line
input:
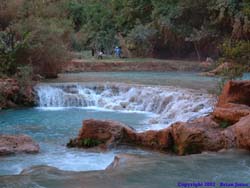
point(140, 39)
point(235, 71)
point(224, 124)
point(237, 51)
point(10, 48)
point(183, 27)
point(89, 142)
point(246, 8)
point(24, 75)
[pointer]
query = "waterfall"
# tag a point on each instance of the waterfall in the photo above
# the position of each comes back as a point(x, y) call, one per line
point(169, 104)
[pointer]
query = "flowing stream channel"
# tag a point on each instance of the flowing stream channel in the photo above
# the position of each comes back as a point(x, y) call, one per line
point(61, 108)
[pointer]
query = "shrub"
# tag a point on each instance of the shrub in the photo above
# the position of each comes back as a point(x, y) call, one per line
point(237, 51)
point(89, 142)
point(24, 75)
point(140, 40)
point(224, 124)
point(8, 12)
point(47, 47)
point(10, 48)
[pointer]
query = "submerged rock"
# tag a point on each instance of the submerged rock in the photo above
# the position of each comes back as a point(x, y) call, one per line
point(42, 169)
point(10, 144)
point(122, 160)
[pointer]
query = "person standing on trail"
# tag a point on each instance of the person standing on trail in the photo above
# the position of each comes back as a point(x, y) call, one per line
point(100, 55)
point(118, 52)
point(92, 52)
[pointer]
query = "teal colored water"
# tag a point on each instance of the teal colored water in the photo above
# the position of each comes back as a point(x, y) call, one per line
point(52, 129)
point(147, 171)
point(246, 76)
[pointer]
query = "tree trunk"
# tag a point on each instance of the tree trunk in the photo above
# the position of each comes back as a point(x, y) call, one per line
point(197, 51)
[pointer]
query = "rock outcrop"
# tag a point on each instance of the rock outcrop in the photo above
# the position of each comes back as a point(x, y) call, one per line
point(242, 133)
point(236, 92)
point(231, 113)
point(10, 144)
point(108, 134)
point(234, 102)
point(13, 94)
point(202, 134)
point(227, 127)
point(105, 134)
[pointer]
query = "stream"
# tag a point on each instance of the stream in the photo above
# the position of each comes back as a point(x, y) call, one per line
point(143, 101)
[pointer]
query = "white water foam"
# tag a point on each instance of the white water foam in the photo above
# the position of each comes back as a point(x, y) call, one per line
point(166, 104)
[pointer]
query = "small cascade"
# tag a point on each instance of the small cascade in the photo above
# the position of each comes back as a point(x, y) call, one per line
point(168, 104)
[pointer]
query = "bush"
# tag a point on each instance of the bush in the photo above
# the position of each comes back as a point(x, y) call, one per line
point(47, 45)
point(89, 142)
point(10, 48)
point(8, 12)
point(140, 40)
point(225, 124)
point(237, 51)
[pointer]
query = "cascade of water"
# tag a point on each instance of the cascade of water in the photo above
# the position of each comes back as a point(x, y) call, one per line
point(168, 103)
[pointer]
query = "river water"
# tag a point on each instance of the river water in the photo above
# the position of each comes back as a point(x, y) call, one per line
point(141, 100)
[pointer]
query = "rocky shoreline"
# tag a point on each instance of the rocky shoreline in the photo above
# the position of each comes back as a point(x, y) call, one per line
point(78, 65)
point(14, 94)
point(227, 127)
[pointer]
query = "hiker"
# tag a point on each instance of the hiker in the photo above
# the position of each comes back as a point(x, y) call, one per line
point(93, 52)
point(118, 51)
point(100, 55)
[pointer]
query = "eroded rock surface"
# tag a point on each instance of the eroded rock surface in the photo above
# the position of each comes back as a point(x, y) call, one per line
point(12, 94)
point(237, 92)
point(10, 144)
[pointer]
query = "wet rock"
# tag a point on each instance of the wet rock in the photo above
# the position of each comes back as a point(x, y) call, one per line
point(108, 134)
point(234, 102)
point(236, 92)
point(231, 113)
point(38, 170)
point(12, 94)
point(202, 134)
point(10, 144)
point(8, 90)
point(242, 133)
point(104, 134)
point(157, 140)
point(122, 160)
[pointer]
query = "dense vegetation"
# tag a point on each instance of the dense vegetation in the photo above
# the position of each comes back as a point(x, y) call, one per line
point(40, 33)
